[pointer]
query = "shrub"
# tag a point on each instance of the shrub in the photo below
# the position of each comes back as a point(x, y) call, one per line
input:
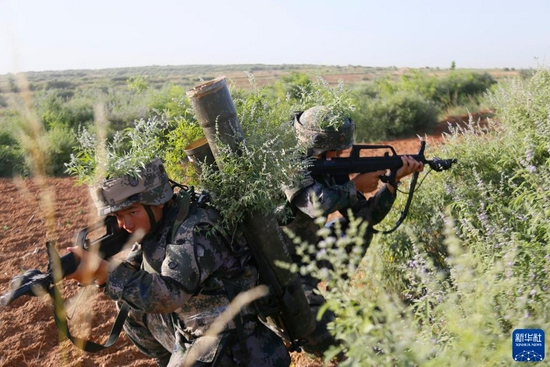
point(137, 84)
point(388, 108)
point(294, 86)
point(398, 115)
point(182, 131)
point(60, 143)
point(11, 156)
point(169, 101)
point(56, 111)
point(458, 86)
point(123, 107)
point(3, 102)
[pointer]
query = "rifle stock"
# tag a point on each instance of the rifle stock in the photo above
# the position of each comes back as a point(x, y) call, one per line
point(34, 282)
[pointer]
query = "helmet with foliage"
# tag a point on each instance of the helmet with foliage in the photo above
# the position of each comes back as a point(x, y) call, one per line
point(152, 187)
point(320, 130)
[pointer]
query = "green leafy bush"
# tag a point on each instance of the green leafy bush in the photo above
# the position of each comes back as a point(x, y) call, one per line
point(459, 85)
point(400, 114)
point(388, 108)
point(137, 84)
point(294, 86)
point(169, 101)
point(11, 157)
point(60, 144)
point(181, 132)
point(56, 111)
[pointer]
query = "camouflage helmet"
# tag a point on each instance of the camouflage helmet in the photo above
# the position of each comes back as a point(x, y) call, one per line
point(152, 188)
point(318, 139)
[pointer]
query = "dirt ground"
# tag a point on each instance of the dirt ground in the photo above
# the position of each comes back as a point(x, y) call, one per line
point(34, 211)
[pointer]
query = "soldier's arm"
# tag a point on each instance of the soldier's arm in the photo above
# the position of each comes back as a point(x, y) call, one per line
point(374, 209)
point(189, 261)
point(329, 199)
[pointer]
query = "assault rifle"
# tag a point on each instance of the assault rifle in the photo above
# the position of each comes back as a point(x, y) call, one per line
point(33, 282)
point(388, 161)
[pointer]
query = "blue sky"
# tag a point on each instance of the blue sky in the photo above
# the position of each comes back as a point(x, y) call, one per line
point(40, 35)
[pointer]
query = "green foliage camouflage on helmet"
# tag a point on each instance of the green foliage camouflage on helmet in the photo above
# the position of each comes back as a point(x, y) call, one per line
point(125, 170)
point(151, 187)
point(319, 130)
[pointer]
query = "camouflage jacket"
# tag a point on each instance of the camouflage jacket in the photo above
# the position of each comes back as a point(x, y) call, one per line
point(185, 267)
point(333, 194)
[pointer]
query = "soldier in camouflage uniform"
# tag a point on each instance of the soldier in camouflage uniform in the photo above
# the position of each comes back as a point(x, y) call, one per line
point(333, 194)
point(179, 276)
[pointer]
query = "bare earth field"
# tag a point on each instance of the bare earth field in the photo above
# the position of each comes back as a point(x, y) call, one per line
point(33, 212)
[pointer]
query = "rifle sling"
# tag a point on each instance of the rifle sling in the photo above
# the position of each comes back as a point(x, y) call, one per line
point(405, 211)
point(86, 345)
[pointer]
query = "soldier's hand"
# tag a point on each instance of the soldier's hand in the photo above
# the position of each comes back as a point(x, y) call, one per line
point(410, 165)
point(367, 182)
point(91, 268)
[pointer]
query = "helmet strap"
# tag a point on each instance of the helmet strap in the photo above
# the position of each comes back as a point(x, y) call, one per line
point(152, 219)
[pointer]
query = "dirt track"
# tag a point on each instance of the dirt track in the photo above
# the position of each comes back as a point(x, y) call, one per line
point(33, 212)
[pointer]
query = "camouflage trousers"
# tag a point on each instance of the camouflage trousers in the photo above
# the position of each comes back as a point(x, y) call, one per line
point(320, 339)
point(159, 337)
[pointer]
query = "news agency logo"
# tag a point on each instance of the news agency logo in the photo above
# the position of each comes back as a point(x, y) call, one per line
point(528, 345)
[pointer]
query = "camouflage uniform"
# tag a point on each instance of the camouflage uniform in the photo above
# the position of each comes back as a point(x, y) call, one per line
point(182, 275)
point(333, 194)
